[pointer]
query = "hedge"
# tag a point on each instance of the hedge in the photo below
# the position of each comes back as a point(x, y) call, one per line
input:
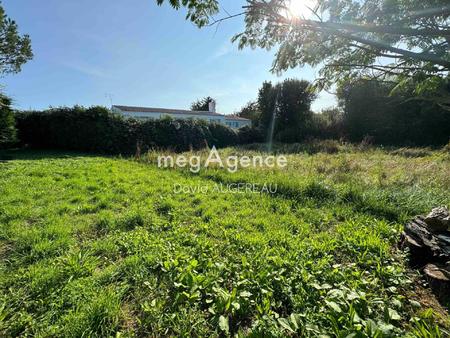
point(97, 129)
point(7, 129)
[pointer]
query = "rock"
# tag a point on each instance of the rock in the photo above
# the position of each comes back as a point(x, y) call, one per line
point(418, 235)
point(438, 219)
point(428, 240)
point(437, 272)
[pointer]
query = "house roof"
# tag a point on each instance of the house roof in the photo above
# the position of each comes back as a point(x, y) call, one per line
point(164, 110)
point(177, 111)
point(235, 117)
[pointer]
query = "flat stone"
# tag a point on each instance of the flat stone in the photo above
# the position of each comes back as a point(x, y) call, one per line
point(438, 219)
point(438, 272)
point(435, 244)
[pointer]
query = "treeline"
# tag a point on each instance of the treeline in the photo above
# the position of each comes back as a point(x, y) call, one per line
point(7, 129)
point(379, 111)
point(368, 110)
point(97, 129)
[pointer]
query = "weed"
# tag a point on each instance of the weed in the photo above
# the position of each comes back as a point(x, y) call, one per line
point(95, 246)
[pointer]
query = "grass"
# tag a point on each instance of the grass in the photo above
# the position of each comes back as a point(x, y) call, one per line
point(95, 246)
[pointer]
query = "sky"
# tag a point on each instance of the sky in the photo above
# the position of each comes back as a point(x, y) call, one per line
point(135, 53)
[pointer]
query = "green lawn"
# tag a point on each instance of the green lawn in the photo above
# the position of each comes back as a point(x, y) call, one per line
point(95, 246)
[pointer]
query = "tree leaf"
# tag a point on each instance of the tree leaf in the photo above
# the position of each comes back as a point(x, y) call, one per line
point(393, 314)
point(334, 306)
point(223, 324)
point(285, 324)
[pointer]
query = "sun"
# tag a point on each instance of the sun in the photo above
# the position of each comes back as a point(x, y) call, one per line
point(300, 8)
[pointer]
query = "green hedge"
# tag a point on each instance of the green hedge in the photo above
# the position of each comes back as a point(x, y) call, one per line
point(96, 129)
point(7, 129)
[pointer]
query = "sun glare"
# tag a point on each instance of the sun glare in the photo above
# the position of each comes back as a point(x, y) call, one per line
point(299, 8)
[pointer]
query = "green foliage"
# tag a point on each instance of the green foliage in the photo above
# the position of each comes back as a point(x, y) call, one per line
point(93, 129)
point(252, 134)
point(252, 112)
point(202, 104)
point(267, 98)
point(328, 124)
point(101, 247)
point(288, 104)
point(96, 129)
point(349, 37)
point(392, 115)
point(294, 104)
point(222, 136)
point(346, 38)
point(172, 134)
point(15, 50)
point(198, 11)
point(7, 123)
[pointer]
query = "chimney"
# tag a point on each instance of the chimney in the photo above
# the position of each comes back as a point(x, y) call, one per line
point(212, 106)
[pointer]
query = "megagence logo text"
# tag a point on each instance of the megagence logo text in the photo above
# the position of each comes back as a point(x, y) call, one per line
point(231, 163)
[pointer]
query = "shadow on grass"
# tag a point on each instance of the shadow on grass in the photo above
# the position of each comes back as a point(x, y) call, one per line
point(40, 154)
point(321, 195)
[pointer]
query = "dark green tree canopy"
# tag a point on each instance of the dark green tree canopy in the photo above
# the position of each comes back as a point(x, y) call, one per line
point(250, 111)
point(378, 38)
point(371, 109)
point(202, 104)
point(15, 50)
point(289, 102)
point(7, 123)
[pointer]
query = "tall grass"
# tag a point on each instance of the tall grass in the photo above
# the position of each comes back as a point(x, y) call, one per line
point(99, 247)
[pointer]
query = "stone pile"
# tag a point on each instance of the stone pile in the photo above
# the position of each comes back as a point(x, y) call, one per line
point(429, 241)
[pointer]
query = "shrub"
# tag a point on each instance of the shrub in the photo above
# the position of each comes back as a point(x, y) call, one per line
point(247, 135)
point(7, 124)
point(96, 129)
point(328, 124)
point(178, 135)
point(77, 128)
point(291, 135)
point(390, 116)
point(222, 136)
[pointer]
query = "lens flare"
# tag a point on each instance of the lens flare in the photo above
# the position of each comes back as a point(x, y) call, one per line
point(300, 8)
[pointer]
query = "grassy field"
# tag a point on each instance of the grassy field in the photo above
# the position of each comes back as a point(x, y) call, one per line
point(95, 246)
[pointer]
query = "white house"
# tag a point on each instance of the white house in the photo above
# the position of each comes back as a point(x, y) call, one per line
point(210, 116)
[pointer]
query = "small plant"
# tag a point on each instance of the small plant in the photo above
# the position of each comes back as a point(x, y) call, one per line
point(103, 246)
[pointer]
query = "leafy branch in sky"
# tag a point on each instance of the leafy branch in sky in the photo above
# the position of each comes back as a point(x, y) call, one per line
point(346, 38)
point(15, 50)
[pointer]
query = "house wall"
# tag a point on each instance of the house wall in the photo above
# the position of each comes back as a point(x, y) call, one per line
point(236, 124)
point(211, 119)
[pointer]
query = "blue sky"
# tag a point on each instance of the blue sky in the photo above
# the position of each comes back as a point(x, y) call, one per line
point(136, 53)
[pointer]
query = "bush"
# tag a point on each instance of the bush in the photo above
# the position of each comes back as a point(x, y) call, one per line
point(93, 129)
point(178, 135)
point(96, 129)
point(222, 136)
point(291, 135)
point(373, 108)
point(247, 135)
point(328, 124)
point(7, 123)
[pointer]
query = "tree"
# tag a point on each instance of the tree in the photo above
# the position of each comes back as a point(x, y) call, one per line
point(15, 50)
point(267, 97)
point(7, 123)
point(294, 103)
point(380, 38)
point(288, 104)
point(202, 104)
point(251, 111)
point(372, 108)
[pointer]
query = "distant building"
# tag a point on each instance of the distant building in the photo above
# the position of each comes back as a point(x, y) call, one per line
point(211, 116)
